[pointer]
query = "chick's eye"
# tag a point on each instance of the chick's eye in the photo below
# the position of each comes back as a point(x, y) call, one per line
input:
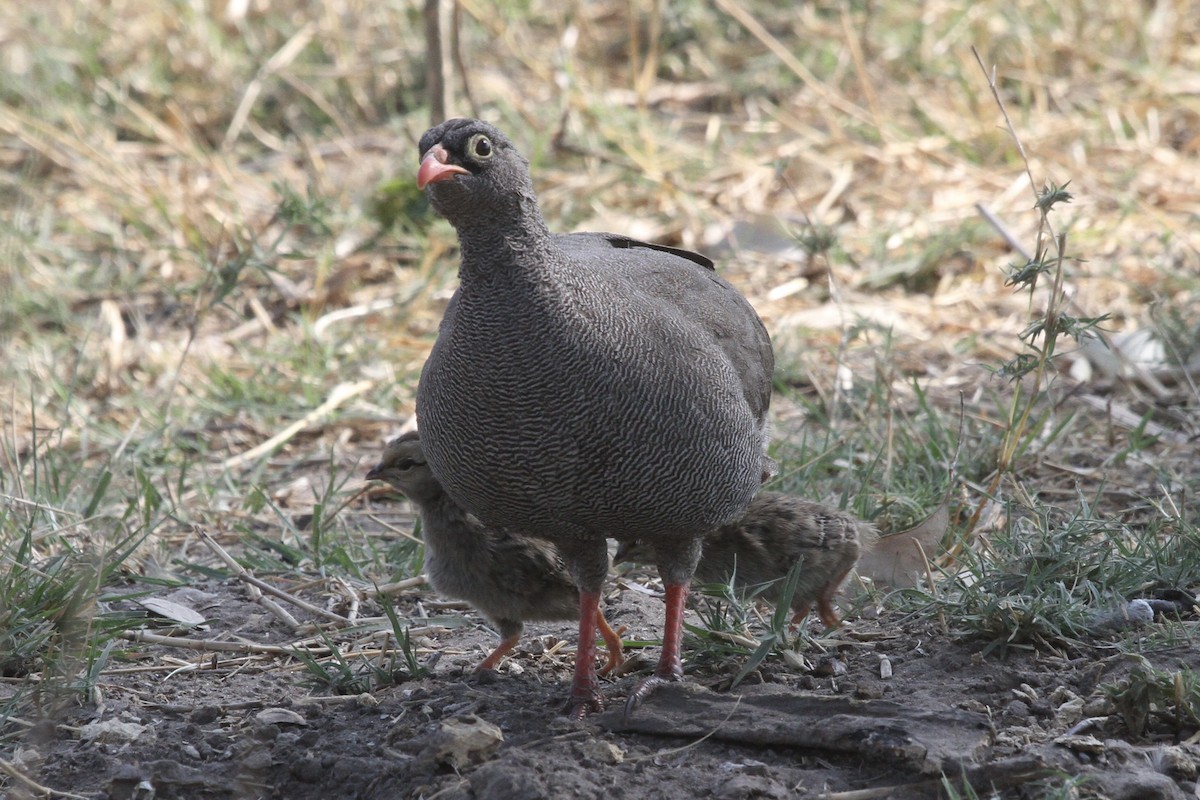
point(481, 146)
point(406, 464)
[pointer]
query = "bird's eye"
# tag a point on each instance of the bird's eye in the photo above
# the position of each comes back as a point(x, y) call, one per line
point(481, 146)
point(406, 464)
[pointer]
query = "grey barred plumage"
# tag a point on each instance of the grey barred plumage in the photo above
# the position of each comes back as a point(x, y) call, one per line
point(776, 532)
point(585, 386)
point(510, 579)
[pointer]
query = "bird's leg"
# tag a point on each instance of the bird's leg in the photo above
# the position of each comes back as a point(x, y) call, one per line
point(676, 561)
point(589, 566)
point(612, 640)
point(502, 649)
point(510, 634)
point(585, 689)
point(825, 601)
point(670, 663)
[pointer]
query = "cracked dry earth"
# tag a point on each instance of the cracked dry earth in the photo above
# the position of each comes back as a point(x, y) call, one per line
point(180, 724)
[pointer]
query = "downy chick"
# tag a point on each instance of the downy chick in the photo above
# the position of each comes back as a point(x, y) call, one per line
point(508, 578)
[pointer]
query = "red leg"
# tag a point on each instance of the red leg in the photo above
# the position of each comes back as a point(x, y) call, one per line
point(670, 662)
point(612, 640)
point(504, 648)
point(670, 666)
point(801, 613)
point(585, 690)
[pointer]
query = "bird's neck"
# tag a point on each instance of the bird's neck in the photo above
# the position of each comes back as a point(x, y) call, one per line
point(520, 245)
point(448, 530)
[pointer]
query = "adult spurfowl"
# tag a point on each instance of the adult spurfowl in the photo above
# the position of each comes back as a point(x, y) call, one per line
point(587, 386)
point(508, 578)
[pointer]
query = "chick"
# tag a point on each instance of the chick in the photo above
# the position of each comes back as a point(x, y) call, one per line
point(776, 532)
point(508, 578)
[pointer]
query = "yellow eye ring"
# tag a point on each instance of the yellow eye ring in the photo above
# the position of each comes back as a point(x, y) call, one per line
point(480, 147)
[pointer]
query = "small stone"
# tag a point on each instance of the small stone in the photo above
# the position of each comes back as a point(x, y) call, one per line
point(1062, 695)
point(29, 759)
point(257, 760)
point(1141, 785)
point(205, 714)
point(502, 780)
point(308, 770)
point(1081, 744)
point(601, 752)
point(113, 732)
point(265, 733)
point(1071, 711)
point(1176, 762)
point(279, 716)
point(868, 691)
point(464, 740)
point(830, 668)
point(1097, 707)
point(1017, 709)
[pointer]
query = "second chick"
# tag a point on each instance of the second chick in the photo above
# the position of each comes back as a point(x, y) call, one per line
point(508, 578)
point(777, 531)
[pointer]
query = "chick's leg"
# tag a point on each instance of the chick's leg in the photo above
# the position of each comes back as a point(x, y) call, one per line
point(510, 634)
point(825, 601)
point(612, 640)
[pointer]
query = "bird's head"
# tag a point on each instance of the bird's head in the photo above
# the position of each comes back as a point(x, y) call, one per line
point(633, 551)
point(403, 466)
point(470, 169)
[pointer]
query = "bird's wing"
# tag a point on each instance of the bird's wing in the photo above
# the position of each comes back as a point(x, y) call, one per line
point(670, 274)
point(585, 241)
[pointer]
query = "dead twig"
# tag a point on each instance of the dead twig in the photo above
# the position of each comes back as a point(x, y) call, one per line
point(1008, 236)
point(280, 60)
point(11, 769)
point(393, 588)
point(781, 51)
point(209, 645)
point(244, 575)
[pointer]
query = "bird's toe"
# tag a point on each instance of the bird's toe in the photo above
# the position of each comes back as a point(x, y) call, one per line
point(645, 687)
point(579, 705)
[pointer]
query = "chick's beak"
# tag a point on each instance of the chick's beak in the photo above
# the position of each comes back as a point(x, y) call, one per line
point(434, 168)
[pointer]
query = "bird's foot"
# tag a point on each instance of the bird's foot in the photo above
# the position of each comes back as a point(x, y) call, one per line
point(582, 703)
point(614, 661)
point(646, 686)
point(483, 676)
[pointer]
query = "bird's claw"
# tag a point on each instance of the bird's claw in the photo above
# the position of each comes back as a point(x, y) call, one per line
point(579, 706)
point(645, 688)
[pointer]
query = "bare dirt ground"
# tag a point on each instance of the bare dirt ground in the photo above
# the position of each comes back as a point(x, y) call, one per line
point(217, 725)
